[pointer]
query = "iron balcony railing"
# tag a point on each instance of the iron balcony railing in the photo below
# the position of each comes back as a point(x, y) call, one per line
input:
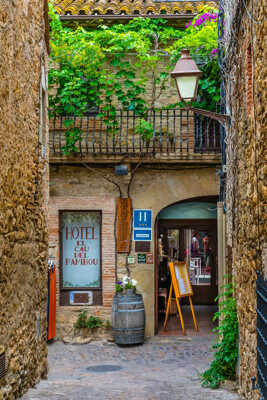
point(175, 131)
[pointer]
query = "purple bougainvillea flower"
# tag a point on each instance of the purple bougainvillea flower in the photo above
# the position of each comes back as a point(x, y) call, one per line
point(214, 52)
point(206, 17)
point(189, 23)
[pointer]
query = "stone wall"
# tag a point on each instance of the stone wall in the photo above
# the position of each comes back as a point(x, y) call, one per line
point(245, 41)
point(153, 187)
point(23, 194)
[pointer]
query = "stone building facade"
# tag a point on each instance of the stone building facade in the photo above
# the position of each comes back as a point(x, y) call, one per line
point(245, 72)
point(85, 184)
point(24, 195)
point(76, 188)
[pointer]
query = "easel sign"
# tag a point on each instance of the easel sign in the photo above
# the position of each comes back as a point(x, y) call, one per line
point(182, 288)
point(180, 272)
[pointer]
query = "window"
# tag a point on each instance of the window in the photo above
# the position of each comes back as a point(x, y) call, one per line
point(80, 257)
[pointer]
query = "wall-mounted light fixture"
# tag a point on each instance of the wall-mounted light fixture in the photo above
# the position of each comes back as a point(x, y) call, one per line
point(121, 169)
point(187, 74)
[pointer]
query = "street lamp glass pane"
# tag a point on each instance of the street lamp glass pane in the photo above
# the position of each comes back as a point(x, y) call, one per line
point(187, 86)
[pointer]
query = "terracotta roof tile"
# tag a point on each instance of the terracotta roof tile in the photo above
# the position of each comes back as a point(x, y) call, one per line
point(128, 7)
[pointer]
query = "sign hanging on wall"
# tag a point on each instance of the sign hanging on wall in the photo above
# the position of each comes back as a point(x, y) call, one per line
point(149, 258)
point(141, 258)
point(80, 236)
point(142, 219)
point(124, 225)
point(142, 225)
point(130, 260)
point(142, 235)
point(81, 298)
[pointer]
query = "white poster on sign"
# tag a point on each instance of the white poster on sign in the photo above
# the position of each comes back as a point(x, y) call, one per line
point(182, 278)
point(81, 248)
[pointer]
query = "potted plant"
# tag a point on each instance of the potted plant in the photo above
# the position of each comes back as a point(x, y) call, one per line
point(129, 285)
point(119, 288)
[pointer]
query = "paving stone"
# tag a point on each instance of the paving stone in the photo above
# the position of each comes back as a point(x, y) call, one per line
point(161, 369)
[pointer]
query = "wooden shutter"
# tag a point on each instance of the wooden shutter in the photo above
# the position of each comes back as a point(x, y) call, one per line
point(124, 220)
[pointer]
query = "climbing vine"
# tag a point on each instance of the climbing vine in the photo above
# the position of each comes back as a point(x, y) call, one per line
point(111, 67)
point(226, 348)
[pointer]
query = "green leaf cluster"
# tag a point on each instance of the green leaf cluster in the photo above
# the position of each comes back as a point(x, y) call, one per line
point(144, 129)
point(223, 367)
point(91, 322)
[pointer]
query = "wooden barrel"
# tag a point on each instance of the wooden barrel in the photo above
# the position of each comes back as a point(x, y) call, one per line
point(128, 318)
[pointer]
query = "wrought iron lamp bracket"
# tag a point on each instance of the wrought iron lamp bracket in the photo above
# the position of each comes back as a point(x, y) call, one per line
point(223, 119)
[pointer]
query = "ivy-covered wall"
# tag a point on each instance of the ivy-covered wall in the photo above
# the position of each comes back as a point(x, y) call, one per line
point(245, 72)
point(23, 195)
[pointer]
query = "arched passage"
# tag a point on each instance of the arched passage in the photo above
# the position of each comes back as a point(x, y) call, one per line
point(187, 231)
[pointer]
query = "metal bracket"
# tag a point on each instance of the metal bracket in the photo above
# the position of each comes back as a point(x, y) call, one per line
point(223, 119)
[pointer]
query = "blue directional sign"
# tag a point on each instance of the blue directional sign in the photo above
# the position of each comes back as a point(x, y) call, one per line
point(142, 225)
point(143, 235)
point(142, 219)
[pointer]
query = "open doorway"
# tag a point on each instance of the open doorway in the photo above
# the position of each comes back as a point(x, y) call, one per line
point(188, 232)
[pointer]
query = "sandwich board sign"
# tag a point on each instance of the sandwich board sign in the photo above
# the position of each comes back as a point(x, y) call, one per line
point(180, 283)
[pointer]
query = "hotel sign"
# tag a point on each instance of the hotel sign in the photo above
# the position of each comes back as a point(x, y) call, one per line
point(81, 249)
point(142, 225)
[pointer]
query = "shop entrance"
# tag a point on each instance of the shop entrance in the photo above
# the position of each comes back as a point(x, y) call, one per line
point(188, 232)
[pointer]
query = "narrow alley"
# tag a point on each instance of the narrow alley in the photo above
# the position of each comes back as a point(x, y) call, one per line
point(164, 368)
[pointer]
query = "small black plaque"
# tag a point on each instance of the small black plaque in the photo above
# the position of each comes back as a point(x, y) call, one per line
point(141, 258)
point(143, 247)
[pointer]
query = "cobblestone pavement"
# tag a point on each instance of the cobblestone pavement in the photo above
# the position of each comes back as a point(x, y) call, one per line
point(164, 368)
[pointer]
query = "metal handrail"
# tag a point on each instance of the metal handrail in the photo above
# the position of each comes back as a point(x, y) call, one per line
point(175, 131)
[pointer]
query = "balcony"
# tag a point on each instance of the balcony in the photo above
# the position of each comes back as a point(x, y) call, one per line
point(176, 136)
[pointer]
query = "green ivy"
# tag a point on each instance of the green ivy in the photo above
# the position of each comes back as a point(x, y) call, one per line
point(144, 129)
point(111, 67)
point(223, 367)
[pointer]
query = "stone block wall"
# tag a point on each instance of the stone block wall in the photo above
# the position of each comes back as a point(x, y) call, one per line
point(23, 195)
point(245, 42)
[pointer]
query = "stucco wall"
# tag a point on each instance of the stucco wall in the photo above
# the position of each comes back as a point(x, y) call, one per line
point(151, 189)
point(246, 51)
point(23, 194)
